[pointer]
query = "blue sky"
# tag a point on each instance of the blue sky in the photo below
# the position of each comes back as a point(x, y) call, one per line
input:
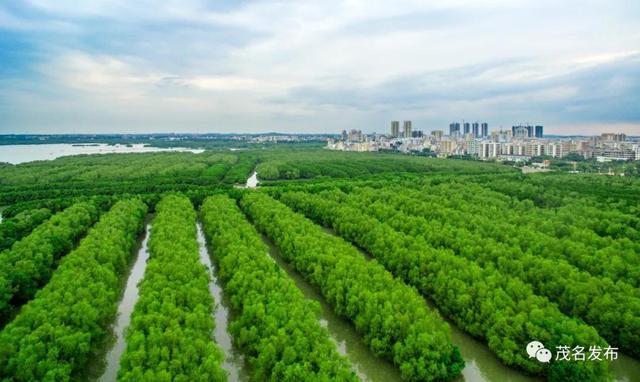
point(317, 66)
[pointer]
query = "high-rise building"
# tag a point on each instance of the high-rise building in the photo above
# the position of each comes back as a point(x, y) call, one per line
point(523, 131)
point(406, 129)
point(344, 136)
point(520, 131)
point(538, 131)
point(466, 126)
point(437, 134)
point(395, 129)
point(355, 135)
point(475, 130)
point(611, 137)
point(417, 134)
point(485, 129)
point(454, 129)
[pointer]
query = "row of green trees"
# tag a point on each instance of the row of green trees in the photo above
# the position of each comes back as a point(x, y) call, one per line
point(275, 326)
point(602, 220)
point(338, 164)
point(241, 169)
point(115, 168)
point(553, 278)
point(554, 190)
point(20, 225)
point(54, 335)
point(29, 263)
point(120, 174)
point(170, 335)
point(542, 233)
point(498, 308)
point(393, 319)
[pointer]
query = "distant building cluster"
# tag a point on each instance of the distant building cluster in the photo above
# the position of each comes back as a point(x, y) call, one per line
point(476, 129)
point(521, 142)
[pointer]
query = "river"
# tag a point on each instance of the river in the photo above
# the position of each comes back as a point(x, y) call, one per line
point(233, 362)
point(482, 365)
point(16, 154)
point(349, 343)
point(252, 181)
point(105, 363)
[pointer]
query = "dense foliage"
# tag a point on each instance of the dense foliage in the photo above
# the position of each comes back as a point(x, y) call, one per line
point(29, 263)
point(241, 170)
point(497, 307)
point(275, 326)
point(393, 319)
point(18, 226)
point(339, 164)
point(170, 335)
point(546, 272)
point(114, 174)
point(53, 336)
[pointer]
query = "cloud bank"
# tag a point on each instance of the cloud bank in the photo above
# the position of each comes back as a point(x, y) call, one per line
point(307, 66)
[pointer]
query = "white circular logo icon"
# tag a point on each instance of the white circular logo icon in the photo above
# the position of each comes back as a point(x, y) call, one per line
point(533, 347)
point(536, 350)
point(543, 355)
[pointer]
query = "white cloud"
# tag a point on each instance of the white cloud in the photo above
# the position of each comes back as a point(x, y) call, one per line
point(266, 64)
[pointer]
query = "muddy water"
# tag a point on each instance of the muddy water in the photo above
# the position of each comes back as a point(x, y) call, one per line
point(105, 362)
point(625, 369)
point(481, 363)
point(252, 181)
point(367, 366)
point(233, 362)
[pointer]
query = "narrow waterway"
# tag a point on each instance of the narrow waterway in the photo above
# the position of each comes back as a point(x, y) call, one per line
point(105, 363)
point(125, 308)
point(252, 181)
point(482, 365)
point(367, 366)
point(233, 362)
point(625, 369)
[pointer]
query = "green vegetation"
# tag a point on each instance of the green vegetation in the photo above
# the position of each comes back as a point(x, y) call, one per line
point(393, 319)
point(506, 257)
point(169, 338)
point(546, 271)
point(20, 225)
point(338, 164)
point(54, 334)
point(483, 301)
point(275, 326)
point(29, 263)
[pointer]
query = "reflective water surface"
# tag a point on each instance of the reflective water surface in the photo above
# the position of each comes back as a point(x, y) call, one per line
point(15, 154)
point(233, 362)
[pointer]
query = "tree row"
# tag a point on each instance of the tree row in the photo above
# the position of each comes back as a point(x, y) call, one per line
point(170, 335)
point(555, 279)
point(392, 318)
point(575, 227)
point(500, 309)
point(54, 335)
point(20, 225)
point(275, 326)
point(29, 263)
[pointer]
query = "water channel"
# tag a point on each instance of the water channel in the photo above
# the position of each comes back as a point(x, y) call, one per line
point(233, 363)
point(106, 362)
point(367, 366)
point(482, 365)
point(252, 181)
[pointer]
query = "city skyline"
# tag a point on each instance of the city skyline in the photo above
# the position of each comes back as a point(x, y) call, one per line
point(307, 67)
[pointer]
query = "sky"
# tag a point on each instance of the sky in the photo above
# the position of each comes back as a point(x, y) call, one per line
point(225, 66)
